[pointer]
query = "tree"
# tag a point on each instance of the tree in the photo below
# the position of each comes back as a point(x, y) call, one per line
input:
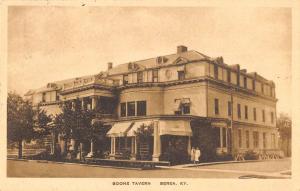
point(23, 122)
point(77, 123)
point(284, 125)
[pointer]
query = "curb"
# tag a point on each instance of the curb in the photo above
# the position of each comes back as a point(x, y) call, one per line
point(223, 162)
point(69, 163)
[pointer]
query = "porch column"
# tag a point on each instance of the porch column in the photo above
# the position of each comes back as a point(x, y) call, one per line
point(221, 137)
point(91, 153)
point(156, 142)
point(112, 147)
point(133, 152)
point(189, 146)
point(94, 102)
point(82, 104)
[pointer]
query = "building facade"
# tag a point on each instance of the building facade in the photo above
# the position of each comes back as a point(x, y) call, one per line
point(182, 96)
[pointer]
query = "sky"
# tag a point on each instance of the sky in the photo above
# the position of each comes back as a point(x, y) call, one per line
point(47, 44)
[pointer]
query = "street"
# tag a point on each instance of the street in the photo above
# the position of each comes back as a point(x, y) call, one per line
point(261, 169)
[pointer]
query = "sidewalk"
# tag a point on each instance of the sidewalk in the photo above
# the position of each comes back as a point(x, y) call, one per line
point(221, 162)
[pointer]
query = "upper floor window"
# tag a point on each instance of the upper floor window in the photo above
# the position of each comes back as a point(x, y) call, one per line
point(44, 97)
point(216, 71)
point(253, 84)
point(186, 108)
point(245, 82)
point(125, 79)
point(262, 88)
point(254, 114)
point(131, 109)
point(140, 77)
point(123, 109)
point(263, 115)
point(155, 75)
point(246, 112)
point(239, 111)
point(272, 117)
point(228, 76)
point(229, 108)
point(141, 108)
point(181, 75)
point(57, 97)
point(216, 106)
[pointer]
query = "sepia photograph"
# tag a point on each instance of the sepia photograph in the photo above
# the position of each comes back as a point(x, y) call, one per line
point(149, 92)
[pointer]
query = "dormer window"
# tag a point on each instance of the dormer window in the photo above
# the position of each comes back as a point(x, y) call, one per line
point(125, 79)
point(161, 60)
point(181, 75)
point(140, 77)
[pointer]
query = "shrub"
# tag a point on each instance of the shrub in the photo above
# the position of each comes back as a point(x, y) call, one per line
point(251, 155)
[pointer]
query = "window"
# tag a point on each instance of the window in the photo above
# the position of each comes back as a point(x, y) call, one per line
point(255, 139)
point(247, 139)
point(272, 117)
point(273, 141)
point(229, 108)
point(254, 114)
point(239, 110)
point(123, 109)
point(224, 137)
point(262, 88)
point(216, 106)
point(263, 116)
point(131, 109)
point(140, 77)
point(125, 79)
point(246, 112)
point(228, 76)
point(253, 85)
point(216, 71)
point(181, 75)
point(264, 140)
point(44, 97)
point(57, 97)
point(240, 137)
point(186, 108)
point(217, 133)
point(155, 76)
point(141, 108)
point(245, 82)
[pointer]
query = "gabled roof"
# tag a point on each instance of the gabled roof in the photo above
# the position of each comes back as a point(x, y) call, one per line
point(190, 55)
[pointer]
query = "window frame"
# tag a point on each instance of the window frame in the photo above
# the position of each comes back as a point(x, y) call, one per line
point(140, 111)
point(129, 114)
point(140, 77)
point(229, 109)
point(216, 104)
point(239, 112)
point(246, 112)
point(181, 75)
point(123, 105)
point(155, 77)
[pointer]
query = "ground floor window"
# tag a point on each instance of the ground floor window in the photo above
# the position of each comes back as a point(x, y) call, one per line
point(255, 139)
point(264, 141)
point(240, 137)
point(247, 139)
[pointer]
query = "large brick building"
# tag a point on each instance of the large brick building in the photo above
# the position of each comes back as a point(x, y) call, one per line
point(182, 96)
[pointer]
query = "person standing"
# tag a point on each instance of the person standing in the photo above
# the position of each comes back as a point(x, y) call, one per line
point(193, 155)
point(197, 154)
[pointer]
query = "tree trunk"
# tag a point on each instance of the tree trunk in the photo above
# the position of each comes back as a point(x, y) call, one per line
point(20, 149)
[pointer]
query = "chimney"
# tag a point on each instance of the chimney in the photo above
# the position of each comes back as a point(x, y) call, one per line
point(109, 65)
point(181, 49)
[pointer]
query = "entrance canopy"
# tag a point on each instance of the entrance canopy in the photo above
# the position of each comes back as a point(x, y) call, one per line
point(119, 129)
point(137, 125)
point(175, 127)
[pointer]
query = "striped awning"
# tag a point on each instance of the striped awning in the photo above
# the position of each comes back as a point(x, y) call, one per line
point(119, 129)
